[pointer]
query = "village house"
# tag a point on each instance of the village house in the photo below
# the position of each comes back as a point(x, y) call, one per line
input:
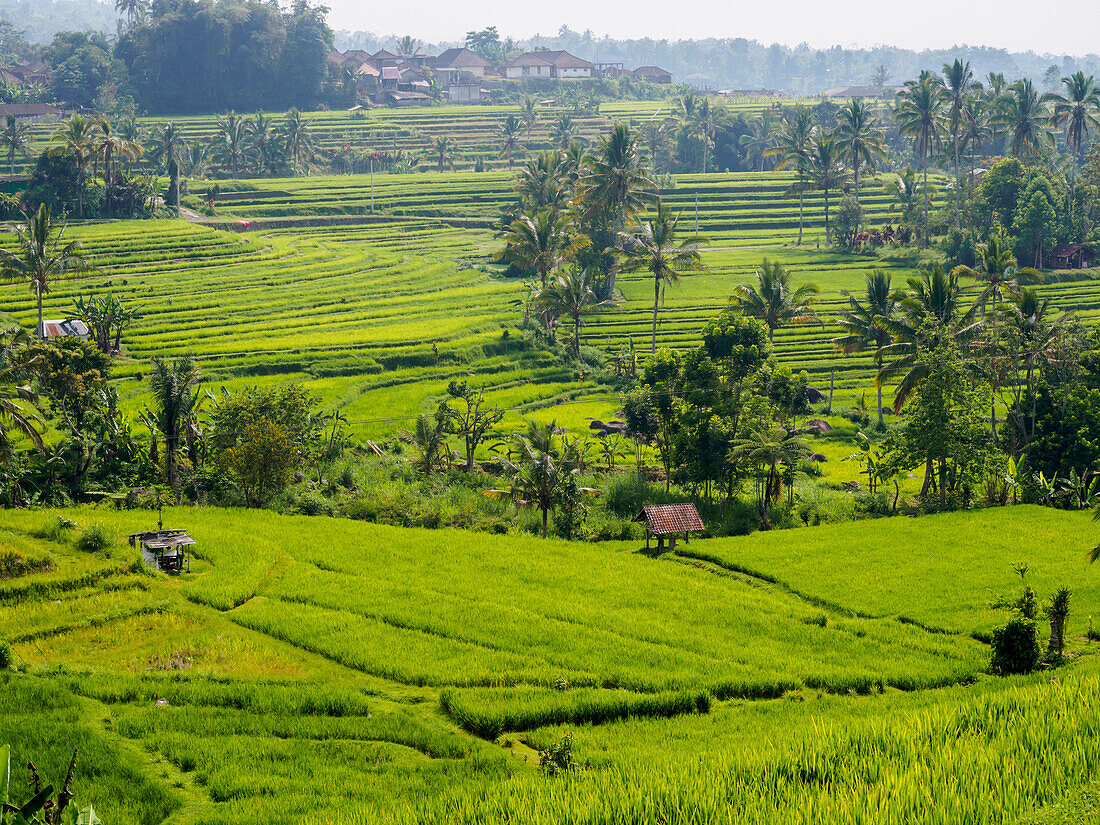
point(652, 74)
point(31, 112)
point(544, 65)
point(461, 62)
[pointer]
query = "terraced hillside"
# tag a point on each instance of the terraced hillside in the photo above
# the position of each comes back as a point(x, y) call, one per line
point(474, 129)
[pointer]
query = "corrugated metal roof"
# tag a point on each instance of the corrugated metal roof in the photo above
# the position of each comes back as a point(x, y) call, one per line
point(662, 519)
point(64, 327)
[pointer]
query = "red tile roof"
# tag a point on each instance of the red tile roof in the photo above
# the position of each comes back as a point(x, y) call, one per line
point(662, 519)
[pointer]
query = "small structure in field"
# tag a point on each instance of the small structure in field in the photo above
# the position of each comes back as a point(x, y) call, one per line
point(163, 549)
point(1071, 256)
point(670, 520)
point(64, 328)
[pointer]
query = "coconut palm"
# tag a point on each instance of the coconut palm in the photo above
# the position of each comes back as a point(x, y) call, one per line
point(960, 86)
point(929, 312)
point(173, 384)
point(919, 115)
point(658, 250)
point(541, 242)
point(706, 120)
point(110, 144)
point(863, 323)
point(17, 410)
point(296, 134)
point(408, 46)
point(75, 137)
point(230, 142)
point(260, 135)
point(1077, 111)
point(509, 134)
point(563, 131)
point(545, 472)
point(774, 301)
point(774, 452)
point(793, 140)
point(529, 116)
point(657, 138)
point(169, 151)
point(1023, 115)
point(442, 151)
point(826, 172)
point(570, 295)
point(572, 163)
point(15, 140)
point(860, 139)
point(542, 183)
point(134, 10)
point(42, 256)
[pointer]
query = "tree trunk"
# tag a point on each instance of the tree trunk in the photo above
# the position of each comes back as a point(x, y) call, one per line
point(656, 302)
point(881, 420)
point(545, 515)
point(801, 199)
point(38, 295)
point(828, 236)
point(958, 185)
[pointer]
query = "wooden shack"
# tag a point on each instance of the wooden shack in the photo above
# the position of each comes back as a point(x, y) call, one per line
point(163, 549)
point(670, 520)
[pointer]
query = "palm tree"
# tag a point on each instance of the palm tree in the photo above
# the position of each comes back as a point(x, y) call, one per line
point(169, 150)
point(929, 312)
point(173, 384)
point(773, 301)
point(1077, 111)
point(542, 183)
point(41, 257)
point(757, 143)
point(15, 140)
point(16, 401)
point(792, 146)
point(570, 295)
point(616, 179)
point(297, 138)
point(826, 172)
point(230, 142)
point(408, 46)
point(657, 250)
point(774, 451)
point(863, 323)
point(656, 137)
point(541, 243)
point(442, 149)
point(529, 116)
point(509, 133)
point(133, 9)
point(960, 86)
point(564, 131)
point(1022, 114)
point(919, 115)
point(74, 137)
point(110, 144)
point(707, 119)
point(261, 137)
point(545, 472)
point(860, 138)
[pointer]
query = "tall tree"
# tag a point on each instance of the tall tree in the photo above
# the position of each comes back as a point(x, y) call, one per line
point(541, 242)
point(509, 135)
point(230, 142)
point(1077, 110)
point(960, 85)
point(826, 172)
point(1023, 115)
point(919, 115)
point(774, 300)
point(658, 250)
point(860, 138)
point(173, 384)
point(570, 295)
point(794, 140)
point(134, 10)
point(296, 134)
point(17, 401)
point(169, 151)
point(564, 131)
point(15, 140)
point(864, 324)
point(75, 137)
point(42, 256)
point(529, 116)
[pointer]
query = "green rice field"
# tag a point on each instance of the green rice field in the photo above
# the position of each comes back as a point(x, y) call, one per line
point(309, 667)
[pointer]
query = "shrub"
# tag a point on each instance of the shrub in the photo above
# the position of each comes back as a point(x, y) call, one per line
point(1015, 648)
point(312, 503)
point(95, 538)
point(5, 656)
point(558, 758)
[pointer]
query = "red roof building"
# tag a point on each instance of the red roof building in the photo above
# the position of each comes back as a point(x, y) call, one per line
point(662, 520)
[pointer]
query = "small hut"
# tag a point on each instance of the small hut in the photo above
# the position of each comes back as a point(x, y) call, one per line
point(163, 549)
point(670, 520)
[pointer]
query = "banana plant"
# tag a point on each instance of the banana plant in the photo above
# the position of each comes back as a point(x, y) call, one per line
point(869, 458)
point(42, 808)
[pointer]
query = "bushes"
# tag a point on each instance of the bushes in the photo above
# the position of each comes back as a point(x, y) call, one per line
point(5, 656)
point(1016, 647)
point(95, 538)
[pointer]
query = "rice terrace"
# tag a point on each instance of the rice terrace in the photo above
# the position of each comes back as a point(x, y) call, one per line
point(457, 427)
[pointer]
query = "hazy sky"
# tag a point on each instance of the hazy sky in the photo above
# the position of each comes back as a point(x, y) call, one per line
point(1058, 26)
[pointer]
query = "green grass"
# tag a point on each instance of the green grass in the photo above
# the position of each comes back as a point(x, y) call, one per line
point(319, 667)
